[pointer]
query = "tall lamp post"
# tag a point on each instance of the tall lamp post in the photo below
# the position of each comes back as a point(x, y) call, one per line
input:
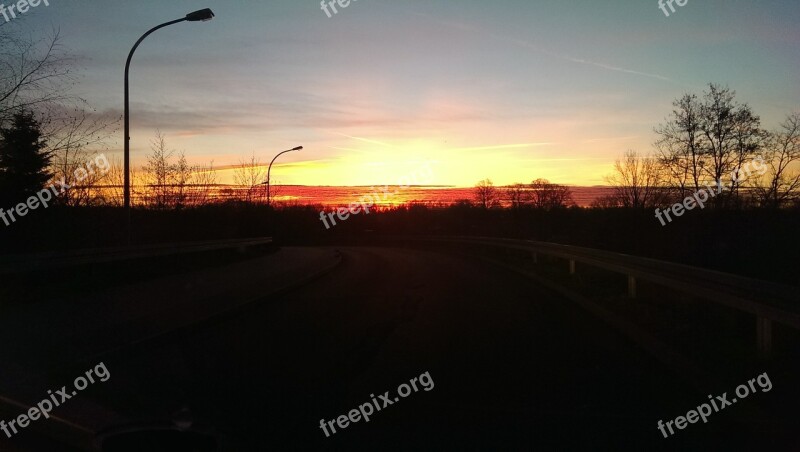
point(202, 15)
point(269, 170)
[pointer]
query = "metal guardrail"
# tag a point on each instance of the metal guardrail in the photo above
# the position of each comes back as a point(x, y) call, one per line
point(769, 302)
point(25, 263)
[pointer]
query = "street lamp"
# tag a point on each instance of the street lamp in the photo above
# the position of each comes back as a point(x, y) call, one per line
point(202, 15)
point(269, 170)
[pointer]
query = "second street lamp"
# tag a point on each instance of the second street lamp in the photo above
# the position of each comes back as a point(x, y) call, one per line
point(202, 15)
point(269, 170)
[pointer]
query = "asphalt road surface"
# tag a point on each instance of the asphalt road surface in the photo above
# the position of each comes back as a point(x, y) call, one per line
point(511, 367)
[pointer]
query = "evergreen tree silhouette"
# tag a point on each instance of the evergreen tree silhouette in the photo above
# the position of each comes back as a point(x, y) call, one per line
point(24, 160)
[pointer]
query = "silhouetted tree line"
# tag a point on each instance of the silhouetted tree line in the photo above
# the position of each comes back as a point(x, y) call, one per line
point(709, 142)
point(714, 143)
point(539, 194)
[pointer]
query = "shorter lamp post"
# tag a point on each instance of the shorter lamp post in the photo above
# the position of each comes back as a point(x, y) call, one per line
point(269, 170)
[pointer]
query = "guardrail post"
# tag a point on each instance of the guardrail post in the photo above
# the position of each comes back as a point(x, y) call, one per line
point(535, 257)
point(631, 287)
point(571, 267)
point(763, 336)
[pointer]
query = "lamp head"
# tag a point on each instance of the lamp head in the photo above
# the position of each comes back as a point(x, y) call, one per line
point(203, 15)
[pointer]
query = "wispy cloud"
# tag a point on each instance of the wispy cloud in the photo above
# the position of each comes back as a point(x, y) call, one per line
point(366, 140)
point(503, 146)
point(531, 46)
point(598, 140)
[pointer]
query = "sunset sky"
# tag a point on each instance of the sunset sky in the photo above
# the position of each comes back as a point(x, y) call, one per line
point(511, 90)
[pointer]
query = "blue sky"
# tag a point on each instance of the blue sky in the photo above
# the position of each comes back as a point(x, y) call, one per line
point(509, 90)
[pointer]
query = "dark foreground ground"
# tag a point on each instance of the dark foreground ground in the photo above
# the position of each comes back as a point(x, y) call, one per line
point(513, 367)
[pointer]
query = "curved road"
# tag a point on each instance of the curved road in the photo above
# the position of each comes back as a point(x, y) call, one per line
point(513, 367)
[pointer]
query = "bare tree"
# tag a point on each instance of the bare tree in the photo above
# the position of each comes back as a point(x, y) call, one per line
point(709, 141)
point(679, 148)
point(732, 134)
point(486, 194)
point(86, 187)
point(170, 182)
point(183, 177)
point(167, 181)
point(160, 173)
point(549, 196)
point(112, 186)
point(205, 180)
point(780, 186)
point(33, 73)
point(518, 195)
point(749, 141)
point(606, 202)
point(140, 187)
point(74, 140)
point(250, 175)
point(636, 181)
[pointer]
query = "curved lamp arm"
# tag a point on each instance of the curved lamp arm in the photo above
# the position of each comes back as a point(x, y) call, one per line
point(269, 170)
